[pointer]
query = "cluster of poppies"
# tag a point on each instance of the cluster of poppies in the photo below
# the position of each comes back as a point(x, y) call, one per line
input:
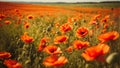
point(55, 58)
point(90, 53)
point(5, 58)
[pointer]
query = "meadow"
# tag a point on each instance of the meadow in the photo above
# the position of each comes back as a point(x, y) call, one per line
point(59, 35)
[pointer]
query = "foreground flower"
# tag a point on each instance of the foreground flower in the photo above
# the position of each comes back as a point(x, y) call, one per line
point(81, 32)
point(52, 49)
point(65, 27)
point(55, 61)
point(113, 35)
point(95, 52)
point(80, 44)
point(60, 39)
point(4, 55)
point(12, 64)
point(42, 44)
point(27, 39)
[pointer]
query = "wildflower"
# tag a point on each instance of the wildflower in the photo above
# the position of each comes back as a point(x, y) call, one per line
point(60, 39)
point(52, 49)
point(81, 32)
point(65, 27)
point(97, 17)
point(30, 17)
point(74, 19)
point(12, 64)
point(105, 25)
point(7, 22)
point(57, 24)
point(26, 24)
point(93, 22)
point(16, 10)
point(42, 44)
point(105, 19)
point(2, 16)
point(55, 61)
point(94, 19)
point(103, 31)
point(95, 52)
point(27, 39)
point(80, 44)
point(113, 35)
point(69, 21)
point(4, 55)
point(69, 49)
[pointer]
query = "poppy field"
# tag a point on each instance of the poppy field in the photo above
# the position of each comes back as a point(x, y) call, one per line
point(59, 35)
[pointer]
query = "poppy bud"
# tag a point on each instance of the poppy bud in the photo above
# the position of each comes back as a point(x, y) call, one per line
point(112, 58)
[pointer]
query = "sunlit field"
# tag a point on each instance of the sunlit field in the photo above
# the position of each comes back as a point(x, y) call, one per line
point(59, 35)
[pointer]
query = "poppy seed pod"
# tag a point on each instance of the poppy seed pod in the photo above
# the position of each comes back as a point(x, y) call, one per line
point(112, 58)
point(49, 28)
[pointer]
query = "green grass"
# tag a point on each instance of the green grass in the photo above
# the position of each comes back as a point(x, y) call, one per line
point(93, 5)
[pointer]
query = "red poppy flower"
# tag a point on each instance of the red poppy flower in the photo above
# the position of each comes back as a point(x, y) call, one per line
point(27, 39)
point(4, 55)
point(113, 35)
point(61, 61)
point(2, 16)
point(74, 19)
point(97, 17)
point(95, 52)
point(65, 27)
point(94, 19)
point(16, 10)
point(52, 49)
point(80, 44)
point(106, 25)
point(93, 22)
point(81, 32)
point(26, 24)
point(30, 17)
point(57, 24)
point(7, 22)
point(69, 21)
point(103, 31)
point(42, 44)
point(69, 49)
point(105, 19)
point(55, 61)
point(12, 64)
point(60, 39)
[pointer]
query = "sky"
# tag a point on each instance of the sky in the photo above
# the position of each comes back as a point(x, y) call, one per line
point(59, 0)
